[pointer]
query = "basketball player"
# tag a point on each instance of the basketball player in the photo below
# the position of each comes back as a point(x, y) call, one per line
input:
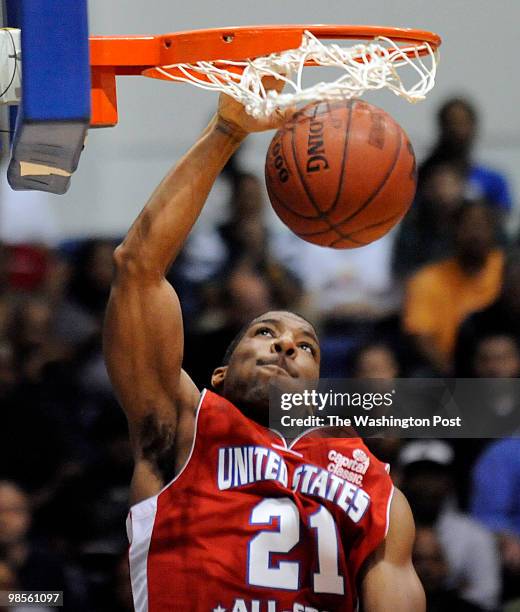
point(227, 517)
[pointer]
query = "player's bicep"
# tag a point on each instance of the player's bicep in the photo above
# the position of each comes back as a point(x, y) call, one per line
point(143, 347)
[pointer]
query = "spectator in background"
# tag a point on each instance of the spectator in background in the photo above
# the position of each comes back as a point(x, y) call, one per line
point(7, 574)
point(501, 318)
point(376, 360)
point(493, 408)
point(426, 233)
point(246, 239)
point(495, 502)
point(350, 295)
point(470, 549)
point(34, 565)
point(246, 293)
point(34, 340)
point(96, 496)
point(27, 270)
point(79, 318)
point(249, 280)
point(31, 442)
point(497, 356)
point(348, 288)
point(441, 295)
point(458, 126)
point(8, 371)
point(6, 298)
point(243, 237)
point(432, 568)
point(8, 583)
point(46, 394)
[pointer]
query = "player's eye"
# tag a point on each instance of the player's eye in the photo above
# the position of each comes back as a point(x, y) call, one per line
point(264, 331)
point(308, 347)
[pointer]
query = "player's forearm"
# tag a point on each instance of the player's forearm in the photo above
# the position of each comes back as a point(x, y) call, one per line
point(391, 599)
point(158, 234)
point(391, 588)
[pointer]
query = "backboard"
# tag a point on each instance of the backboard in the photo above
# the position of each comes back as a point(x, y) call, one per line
point(54, 114)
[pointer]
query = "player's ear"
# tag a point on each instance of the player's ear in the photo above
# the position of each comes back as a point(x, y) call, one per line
point(218, 376)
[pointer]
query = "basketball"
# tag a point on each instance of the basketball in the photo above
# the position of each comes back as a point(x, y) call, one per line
point(341, 174)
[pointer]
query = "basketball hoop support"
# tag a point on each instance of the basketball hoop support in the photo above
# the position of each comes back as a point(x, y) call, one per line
point(230, 48)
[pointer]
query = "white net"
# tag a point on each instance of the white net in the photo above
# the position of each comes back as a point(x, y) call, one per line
point(408, 72)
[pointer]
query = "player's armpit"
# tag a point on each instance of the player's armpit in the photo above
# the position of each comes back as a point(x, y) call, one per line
point(388, 580)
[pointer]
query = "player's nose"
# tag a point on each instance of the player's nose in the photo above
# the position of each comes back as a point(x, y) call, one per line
point(284, 344)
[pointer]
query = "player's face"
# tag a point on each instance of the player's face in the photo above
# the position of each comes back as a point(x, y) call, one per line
point(278, 347)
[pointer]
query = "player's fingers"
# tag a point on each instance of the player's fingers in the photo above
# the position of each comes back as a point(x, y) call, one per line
point(289, 113)
point(279, 117)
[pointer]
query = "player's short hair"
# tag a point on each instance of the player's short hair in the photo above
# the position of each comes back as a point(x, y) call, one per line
point(236, 340)
point(234, 343)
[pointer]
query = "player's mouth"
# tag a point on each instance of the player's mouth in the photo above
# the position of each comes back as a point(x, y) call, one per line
point(277, 366)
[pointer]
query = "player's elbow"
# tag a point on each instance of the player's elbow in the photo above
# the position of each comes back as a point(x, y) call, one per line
point(130, 264)
point(125, 261)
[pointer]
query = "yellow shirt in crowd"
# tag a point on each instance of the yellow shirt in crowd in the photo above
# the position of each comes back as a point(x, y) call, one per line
point(440, 296)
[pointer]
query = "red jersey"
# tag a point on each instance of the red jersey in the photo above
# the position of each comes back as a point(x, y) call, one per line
point(251, 524)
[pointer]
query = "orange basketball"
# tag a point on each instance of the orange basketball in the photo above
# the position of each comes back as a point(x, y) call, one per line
point(341, 174)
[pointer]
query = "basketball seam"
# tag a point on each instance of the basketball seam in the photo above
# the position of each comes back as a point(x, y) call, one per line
point(272, 190)
point(321, 215)
point(368, 227)
point(387, 220)
point(358, 242)
point(350, 106)
point(361, 229)
point(371, 198)
point(273, 196)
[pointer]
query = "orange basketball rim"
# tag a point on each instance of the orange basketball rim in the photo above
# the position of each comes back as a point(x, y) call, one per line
point(160, 56)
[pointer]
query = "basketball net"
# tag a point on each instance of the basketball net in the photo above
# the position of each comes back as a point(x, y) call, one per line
point(377, 64)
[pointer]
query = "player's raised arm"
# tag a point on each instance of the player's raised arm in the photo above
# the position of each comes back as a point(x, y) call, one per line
point(143, 334)
point(389, 581)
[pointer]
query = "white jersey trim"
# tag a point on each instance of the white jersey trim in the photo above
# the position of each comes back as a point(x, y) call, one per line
point(139, 528)
point(390, 497)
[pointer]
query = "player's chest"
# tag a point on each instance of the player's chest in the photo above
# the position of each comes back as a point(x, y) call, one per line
point(324, 475)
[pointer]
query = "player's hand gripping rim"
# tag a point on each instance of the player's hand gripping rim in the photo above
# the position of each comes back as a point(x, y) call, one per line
point(233, 119)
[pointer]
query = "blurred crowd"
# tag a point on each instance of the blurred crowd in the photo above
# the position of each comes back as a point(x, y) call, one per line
point(439, 296)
